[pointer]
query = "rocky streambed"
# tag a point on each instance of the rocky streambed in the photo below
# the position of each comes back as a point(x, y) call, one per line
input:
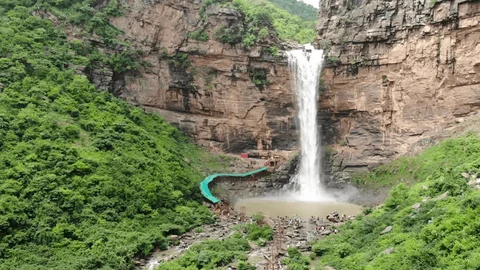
point(290, 231)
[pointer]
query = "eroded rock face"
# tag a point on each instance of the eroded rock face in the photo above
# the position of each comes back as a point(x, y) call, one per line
point(399, 74)
point(210, 94)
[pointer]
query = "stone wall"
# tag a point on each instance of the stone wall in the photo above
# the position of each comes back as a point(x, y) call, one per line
point(398, 75)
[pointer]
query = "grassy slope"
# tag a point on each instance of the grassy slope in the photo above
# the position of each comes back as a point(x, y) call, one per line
point(86, 180)
point(440, 234)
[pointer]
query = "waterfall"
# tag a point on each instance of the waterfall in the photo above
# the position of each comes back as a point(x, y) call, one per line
point(305, 66)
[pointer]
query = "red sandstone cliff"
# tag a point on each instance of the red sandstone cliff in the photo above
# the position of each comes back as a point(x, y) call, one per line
point(212, 97)
point(399, 75)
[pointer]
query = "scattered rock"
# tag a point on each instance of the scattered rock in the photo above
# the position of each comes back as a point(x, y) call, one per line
point(466, 175)
point(387, 230)
point(299, 233)
point(416, 206)
point(472, 183)
point(443, 196)
point(253, 245)
point(424, 187)
point(388, 250)
point(326, 232)
point(328, 268)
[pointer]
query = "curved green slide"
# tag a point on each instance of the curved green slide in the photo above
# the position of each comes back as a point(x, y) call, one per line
point(204, 184)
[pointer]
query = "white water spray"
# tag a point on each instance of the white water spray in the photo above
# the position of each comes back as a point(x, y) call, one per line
point(305, 66)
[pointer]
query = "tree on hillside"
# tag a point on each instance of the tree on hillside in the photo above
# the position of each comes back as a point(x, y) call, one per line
point(305, 11)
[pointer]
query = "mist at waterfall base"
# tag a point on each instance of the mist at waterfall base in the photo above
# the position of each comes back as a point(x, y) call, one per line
point(308, 196)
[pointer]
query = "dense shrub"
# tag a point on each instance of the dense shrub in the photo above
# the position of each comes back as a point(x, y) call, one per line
point(440, 232)
point(254, 232)
point(260, 14)
point(86, 180)
point(198, 35)
point(262, 19)
point(212, 254)
point(296, 261)
point(231, 35)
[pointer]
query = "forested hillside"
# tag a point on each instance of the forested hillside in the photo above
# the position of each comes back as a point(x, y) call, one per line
point(304, 11)
point(288, 26)
point(261, 16)
point(433, 224)
point(86, 180)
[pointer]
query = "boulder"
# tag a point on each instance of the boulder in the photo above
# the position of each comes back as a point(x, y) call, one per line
point(387, 230)
point(388, 251)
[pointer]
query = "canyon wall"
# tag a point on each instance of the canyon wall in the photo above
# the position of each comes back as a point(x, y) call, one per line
point(399, 75)
point(224, 97)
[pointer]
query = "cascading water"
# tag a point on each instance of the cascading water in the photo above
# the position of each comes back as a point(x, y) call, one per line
point(305, 66)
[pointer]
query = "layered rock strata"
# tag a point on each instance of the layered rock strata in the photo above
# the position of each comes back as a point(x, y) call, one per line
point(399, 74)
point(226, 98)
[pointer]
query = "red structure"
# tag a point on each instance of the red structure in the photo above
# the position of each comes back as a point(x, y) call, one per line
point(244, 155)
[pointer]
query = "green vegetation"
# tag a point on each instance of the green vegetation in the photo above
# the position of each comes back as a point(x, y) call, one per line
point(410, 170)
point(230, 35)
point(435, 222)
point(259, 234)
point(86, 180)
point(273, 50)
point(216, 253)
point(91, 26)
point(94, 29)
point(257, 231)
point(262, 19)
point(259, 77)
point(332, 60)
point(199, 35)
point(325, 45)
point(286, 25)
point(296, 261)
point(212, 254)
point(304, 11)
point(207, 3)
point(180, 60)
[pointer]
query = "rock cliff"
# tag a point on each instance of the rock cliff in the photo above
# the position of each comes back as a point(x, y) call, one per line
point(398, 75)
point(223, 96)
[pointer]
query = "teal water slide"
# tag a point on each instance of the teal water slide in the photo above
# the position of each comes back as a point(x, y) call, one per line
point(206, 190)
